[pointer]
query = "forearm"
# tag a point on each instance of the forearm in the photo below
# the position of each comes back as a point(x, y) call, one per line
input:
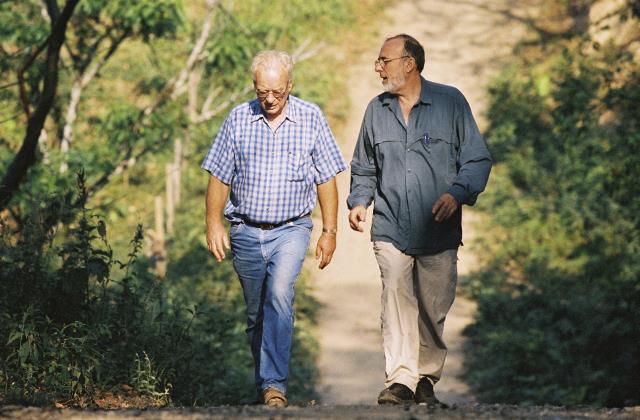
point(328, 198)
point(474, 159)
point(217, 193)
point(471, 181)
point(362, 190)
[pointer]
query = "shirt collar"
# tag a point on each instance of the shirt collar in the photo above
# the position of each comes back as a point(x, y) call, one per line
point(291, 113)
point(425, 94)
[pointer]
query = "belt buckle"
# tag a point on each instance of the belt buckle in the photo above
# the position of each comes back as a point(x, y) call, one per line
point(267, 226)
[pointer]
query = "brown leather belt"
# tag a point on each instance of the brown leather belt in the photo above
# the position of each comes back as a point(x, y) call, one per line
point(269, 226)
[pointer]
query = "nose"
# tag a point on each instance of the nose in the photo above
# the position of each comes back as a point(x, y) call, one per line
point(271, 98)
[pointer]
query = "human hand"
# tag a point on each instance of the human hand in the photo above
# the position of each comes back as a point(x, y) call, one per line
point(217, 240)
point(444, 207)
point(356, 215)
point(325, 248)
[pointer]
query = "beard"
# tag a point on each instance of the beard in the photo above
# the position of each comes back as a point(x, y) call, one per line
point(392, 84)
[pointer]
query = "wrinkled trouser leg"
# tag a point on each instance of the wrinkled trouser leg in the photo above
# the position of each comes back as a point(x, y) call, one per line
point(435, 287)
point(417, 293)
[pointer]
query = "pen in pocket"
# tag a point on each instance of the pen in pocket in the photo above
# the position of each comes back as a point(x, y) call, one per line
point(426, 139)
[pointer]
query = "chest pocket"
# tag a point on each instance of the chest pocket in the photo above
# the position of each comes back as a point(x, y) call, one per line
point(388, 147)
point(442, 152)
point(298, 165)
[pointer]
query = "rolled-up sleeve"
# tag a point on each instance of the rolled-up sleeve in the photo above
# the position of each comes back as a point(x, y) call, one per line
point(363, 169)
point(474, 160)
point(327, 159)
point(220, 159)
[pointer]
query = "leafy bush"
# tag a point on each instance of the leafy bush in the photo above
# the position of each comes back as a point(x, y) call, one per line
point(77, 321)
point(559, 301)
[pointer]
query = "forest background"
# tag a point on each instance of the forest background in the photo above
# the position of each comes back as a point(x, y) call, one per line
point(107, 291)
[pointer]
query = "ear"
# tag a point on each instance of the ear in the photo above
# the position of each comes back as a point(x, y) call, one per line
point(410, 64)
point(290, 85)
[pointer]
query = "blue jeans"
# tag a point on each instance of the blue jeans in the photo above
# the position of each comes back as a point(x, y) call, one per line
point(268, 263)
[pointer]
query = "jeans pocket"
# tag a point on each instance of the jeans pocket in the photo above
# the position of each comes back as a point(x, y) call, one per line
point(235, 228)
point(304, 223)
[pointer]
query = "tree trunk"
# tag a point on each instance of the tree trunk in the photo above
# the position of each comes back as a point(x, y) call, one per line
point(26, 156)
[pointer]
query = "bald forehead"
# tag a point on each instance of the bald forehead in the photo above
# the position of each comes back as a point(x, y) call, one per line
point(392, 48)
point(272, 70)
point(271, 78)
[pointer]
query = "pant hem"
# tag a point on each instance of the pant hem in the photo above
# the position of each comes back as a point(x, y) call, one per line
point(407, 381)
point(276, 387)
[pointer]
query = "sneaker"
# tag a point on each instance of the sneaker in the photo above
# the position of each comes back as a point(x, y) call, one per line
point(396, 394)
point(274, 398)
point(425, 396)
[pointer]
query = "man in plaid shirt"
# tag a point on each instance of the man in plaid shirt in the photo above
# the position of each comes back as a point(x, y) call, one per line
point(269, 160)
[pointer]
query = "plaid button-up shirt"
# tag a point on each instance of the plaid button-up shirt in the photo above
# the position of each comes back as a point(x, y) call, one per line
point(273, 176)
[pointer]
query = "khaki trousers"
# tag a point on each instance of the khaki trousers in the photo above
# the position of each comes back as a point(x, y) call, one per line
point(417, 293)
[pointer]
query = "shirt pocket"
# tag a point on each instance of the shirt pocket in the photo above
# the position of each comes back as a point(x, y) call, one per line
point(442, 152)
point(297, 165)
point(389, 151)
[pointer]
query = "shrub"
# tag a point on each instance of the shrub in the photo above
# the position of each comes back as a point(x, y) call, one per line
point(558, 303)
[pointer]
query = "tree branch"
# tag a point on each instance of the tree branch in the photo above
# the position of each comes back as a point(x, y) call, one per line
point(175, 87)
point(52, 10)
point(82, 81)
point(21, 85)
point(26, 156)
point(178, 86)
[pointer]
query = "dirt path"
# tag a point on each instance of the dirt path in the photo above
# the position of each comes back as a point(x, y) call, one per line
point(465, 42)
point(326, 412)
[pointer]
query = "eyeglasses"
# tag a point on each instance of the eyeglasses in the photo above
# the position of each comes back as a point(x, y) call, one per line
point(382, 62)
point(262, 94)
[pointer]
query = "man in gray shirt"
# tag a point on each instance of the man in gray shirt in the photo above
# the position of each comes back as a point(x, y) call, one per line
point(419, 158)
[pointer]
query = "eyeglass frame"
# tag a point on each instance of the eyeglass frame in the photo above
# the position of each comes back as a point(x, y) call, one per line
point(382, 62)
point(278, 95)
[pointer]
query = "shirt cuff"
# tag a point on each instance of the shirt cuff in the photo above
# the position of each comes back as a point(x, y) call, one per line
point(357, 201)
point(459, 193)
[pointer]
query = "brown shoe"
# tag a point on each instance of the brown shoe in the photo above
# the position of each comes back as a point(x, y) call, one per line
point(274, 398)
point(425, 396)
point(396, 394)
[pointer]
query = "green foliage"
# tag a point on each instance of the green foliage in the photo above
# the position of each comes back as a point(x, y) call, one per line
point(76, 320)
point(81, 319)
point(558, 319)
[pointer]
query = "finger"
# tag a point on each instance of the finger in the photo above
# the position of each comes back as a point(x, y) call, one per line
point(353, 221)
point(326, 259)
point(318, 250)
point(219, 256)
point(437, 205)
point(219, 249)
point(323, 262)
point(214, 252)
point(362, 217)
point(212, 248)
point(442, 212)
point(226, 242)
point(452, 210)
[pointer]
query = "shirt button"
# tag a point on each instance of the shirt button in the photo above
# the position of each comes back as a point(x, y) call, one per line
point(409, 170)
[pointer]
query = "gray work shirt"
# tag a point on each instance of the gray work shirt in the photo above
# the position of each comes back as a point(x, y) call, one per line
point(405, 168)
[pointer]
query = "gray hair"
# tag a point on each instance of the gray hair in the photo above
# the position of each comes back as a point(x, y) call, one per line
point(271, 58)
